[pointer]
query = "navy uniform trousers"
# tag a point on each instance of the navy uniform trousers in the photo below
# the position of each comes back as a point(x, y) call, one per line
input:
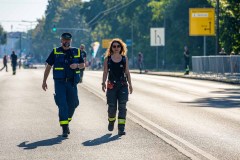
point(66, 98)
point(117, 97)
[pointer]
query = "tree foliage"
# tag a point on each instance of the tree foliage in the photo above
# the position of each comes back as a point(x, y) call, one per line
point(132, 20)
point(3, 36)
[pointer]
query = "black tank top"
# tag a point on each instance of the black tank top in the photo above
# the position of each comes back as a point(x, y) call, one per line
point(116, 73)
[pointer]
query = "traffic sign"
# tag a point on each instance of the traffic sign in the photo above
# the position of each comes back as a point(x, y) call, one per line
point(157, 36)
point(129, 42)
point(201, 22)
point(106, 43)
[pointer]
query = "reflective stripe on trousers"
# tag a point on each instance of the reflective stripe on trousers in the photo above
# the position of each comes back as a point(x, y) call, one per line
point(66, 99)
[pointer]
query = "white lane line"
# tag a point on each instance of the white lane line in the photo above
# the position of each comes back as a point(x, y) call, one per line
point(191, 146)
point(182, 150)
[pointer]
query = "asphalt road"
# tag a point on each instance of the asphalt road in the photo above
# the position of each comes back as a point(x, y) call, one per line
point(30, 128)
point(199, 118)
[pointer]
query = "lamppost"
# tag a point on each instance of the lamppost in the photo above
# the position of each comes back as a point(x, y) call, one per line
point(30, 38)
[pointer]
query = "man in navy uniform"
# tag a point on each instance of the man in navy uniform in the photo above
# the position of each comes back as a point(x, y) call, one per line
point(66, 62)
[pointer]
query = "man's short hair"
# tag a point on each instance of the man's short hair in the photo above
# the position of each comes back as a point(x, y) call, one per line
point(82, 45)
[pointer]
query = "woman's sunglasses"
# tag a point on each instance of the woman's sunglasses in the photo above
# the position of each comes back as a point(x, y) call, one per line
point(116, 46)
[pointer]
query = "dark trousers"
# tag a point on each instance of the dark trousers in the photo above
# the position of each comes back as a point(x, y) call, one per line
point(187, 65)
point(66, 98)
point(5, 65)
point(140, 66)
point(81, 74)
point(117, 98)
point(14, 66)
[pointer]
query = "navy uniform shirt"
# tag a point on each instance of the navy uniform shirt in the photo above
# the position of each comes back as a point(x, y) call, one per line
point(51, 58)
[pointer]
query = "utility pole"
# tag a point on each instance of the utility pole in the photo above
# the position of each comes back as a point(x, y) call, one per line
point(217, 27)
point(133, 63)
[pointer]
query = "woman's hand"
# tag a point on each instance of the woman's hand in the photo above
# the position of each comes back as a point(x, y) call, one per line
point(103, 87)
point(130, 89)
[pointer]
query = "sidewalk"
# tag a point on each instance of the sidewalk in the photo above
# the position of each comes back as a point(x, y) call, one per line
point(210, 77)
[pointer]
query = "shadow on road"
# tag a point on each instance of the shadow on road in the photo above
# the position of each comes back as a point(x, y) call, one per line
point(46, 142)
point(104, 139)
point(229, 100)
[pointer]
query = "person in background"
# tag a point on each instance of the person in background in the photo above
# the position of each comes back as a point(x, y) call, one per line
point(222, 52)
point(84, 56)
point(118, 85)
point(186, 54)
point(20, 64)
point(5, 63)
point(140, 62)
point(14, 62)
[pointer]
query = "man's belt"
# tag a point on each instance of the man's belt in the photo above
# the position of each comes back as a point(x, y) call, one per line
point(65, 79)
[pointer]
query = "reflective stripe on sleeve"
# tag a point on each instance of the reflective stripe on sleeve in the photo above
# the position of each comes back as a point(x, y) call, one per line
point(78, 72)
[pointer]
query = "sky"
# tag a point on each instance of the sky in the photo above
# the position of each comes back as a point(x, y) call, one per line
point(14, 12)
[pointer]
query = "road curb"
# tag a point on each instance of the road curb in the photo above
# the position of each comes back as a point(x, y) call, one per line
point(191, 76)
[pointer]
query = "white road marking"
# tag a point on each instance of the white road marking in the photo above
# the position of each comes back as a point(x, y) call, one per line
point(179, 148)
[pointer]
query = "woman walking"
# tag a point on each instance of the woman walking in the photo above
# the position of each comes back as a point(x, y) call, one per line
point(118, 84)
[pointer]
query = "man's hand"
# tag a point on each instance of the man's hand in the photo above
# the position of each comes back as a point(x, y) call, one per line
point(44, 86)
point(74, 66)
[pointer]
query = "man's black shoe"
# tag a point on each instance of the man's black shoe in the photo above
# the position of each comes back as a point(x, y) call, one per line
point(65, 131)
point(120, 133)
point(65, 135)
point(110, 126)
point(68, 130)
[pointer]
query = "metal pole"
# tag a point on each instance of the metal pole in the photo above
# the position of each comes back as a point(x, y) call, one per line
point(157, 57)
point(164, 49)
point(132, 46)
point(217, 28)
point(204, 45)
point(20, 54)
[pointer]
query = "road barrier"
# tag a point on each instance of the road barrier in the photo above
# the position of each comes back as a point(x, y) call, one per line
point(226, 66)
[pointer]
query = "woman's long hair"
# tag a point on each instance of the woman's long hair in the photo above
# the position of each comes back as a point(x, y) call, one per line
point(123, 45)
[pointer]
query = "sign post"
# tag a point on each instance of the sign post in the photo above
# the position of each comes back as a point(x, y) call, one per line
point(106, 43)
point(202, 23)
point(157, 39)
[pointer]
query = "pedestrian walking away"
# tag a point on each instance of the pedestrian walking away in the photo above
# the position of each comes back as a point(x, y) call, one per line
point(20, 64)
point(186, 54)
point(5, 63)
point(140, 62)
point(84, 56)
point(118, 84)
point(66, 62)
point(14, 62)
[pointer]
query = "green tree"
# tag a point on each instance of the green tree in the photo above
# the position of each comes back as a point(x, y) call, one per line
point(3, 35)
point(230, 25)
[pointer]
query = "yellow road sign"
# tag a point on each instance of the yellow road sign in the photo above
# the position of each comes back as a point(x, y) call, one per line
point(201, 22)
point(106, 43)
